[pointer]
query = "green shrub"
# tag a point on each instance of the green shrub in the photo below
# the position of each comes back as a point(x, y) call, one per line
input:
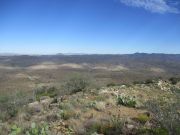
point(167, 115)
point(111, 84)
point(154, 131)
point(160, 131)
point(76, 84)
point(10, 104)
point(38, 130)
point(12, 110)
point(91, 104)
point(45, 91)
point(126, 101)
point(65, 106)
point(67, 111)
point(15, 130)
point(112, 126)
point(115, 127)
point(143, 118)
point(67, 114)
point(149, 81)
point(4, 99)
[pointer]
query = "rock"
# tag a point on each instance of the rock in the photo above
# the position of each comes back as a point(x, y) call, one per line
point(46, 101)
point(139, 104)
point(35, 107)
point(178, 111)
point(56, 105)
point(148, 124)
point(130, 126)
point(123, 86)
point(129, 120)
point(115, 93)
point(163, 85)
point(80, 130)
point(96, 134)
point(44, 98)
point(100, 106)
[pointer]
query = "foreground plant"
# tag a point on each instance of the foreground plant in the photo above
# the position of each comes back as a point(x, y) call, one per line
point(126, 101)
point(15, 130)
point(38, 130)
point(167, 115)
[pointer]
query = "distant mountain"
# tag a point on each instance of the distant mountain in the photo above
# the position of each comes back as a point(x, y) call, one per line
point(138, 65)
point(72, 54)
point(137, 61)
point(9, 54)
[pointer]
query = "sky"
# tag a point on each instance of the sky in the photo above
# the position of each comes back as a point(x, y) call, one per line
point(89, 26)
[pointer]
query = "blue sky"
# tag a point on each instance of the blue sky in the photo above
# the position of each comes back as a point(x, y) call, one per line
point(89, 26)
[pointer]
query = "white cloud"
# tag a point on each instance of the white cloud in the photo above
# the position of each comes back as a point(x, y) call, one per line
point(157, 6)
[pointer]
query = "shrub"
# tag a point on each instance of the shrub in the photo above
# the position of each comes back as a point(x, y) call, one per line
point(38, 130)
point(45, 91)
point(154, 131)
point(138, 82)
point(126, 101)
point(143, 118)
point(116, 125)
point(12, 110)
point(112, 126)
point(174, 80)
point(65, 115)
point(9, 104)
point(67, 111)
point(149, 81)
point(4, 99)
point(76, 84)
point(168, 115)
point(65, 106)
point(15, 130)
point(160, 131)
point(111, 84)
point(91, 104)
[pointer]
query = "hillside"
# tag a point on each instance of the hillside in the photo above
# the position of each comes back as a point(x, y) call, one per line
point(139, 109)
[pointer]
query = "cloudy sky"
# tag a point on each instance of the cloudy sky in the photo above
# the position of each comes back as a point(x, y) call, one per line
point(89, 26)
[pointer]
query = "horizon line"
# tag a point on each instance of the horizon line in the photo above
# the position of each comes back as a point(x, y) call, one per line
point(66, 54)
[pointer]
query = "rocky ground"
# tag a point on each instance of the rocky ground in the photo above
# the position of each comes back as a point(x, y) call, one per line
point(138, 109)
